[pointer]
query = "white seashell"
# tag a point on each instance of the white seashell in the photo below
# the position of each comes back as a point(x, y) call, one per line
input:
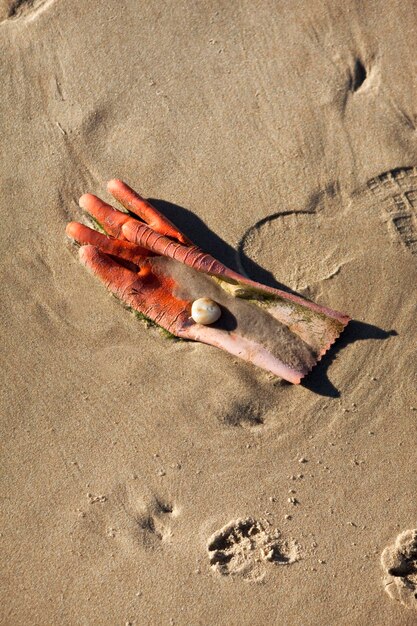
point(205, 311)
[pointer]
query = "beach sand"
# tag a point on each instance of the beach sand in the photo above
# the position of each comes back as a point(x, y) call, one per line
point(148, 481)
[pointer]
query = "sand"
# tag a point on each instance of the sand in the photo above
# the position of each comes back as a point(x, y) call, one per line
point(280, 136)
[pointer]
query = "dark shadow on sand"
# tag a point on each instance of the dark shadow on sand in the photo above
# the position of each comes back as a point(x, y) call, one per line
point(192, 226)
point(318, 381)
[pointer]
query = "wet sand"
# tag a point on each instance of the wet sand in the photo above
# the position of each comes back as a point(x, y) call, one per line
point(147, 481)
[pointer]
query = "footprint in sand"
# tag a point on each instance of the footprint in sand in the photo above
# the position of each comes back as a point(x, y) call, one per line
point(396, 192)
point(245, 547)
point(335, 230)
point(13, 9)
point(399, 562)
point(130, 519)
point(154, 520)
point(248, 415)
